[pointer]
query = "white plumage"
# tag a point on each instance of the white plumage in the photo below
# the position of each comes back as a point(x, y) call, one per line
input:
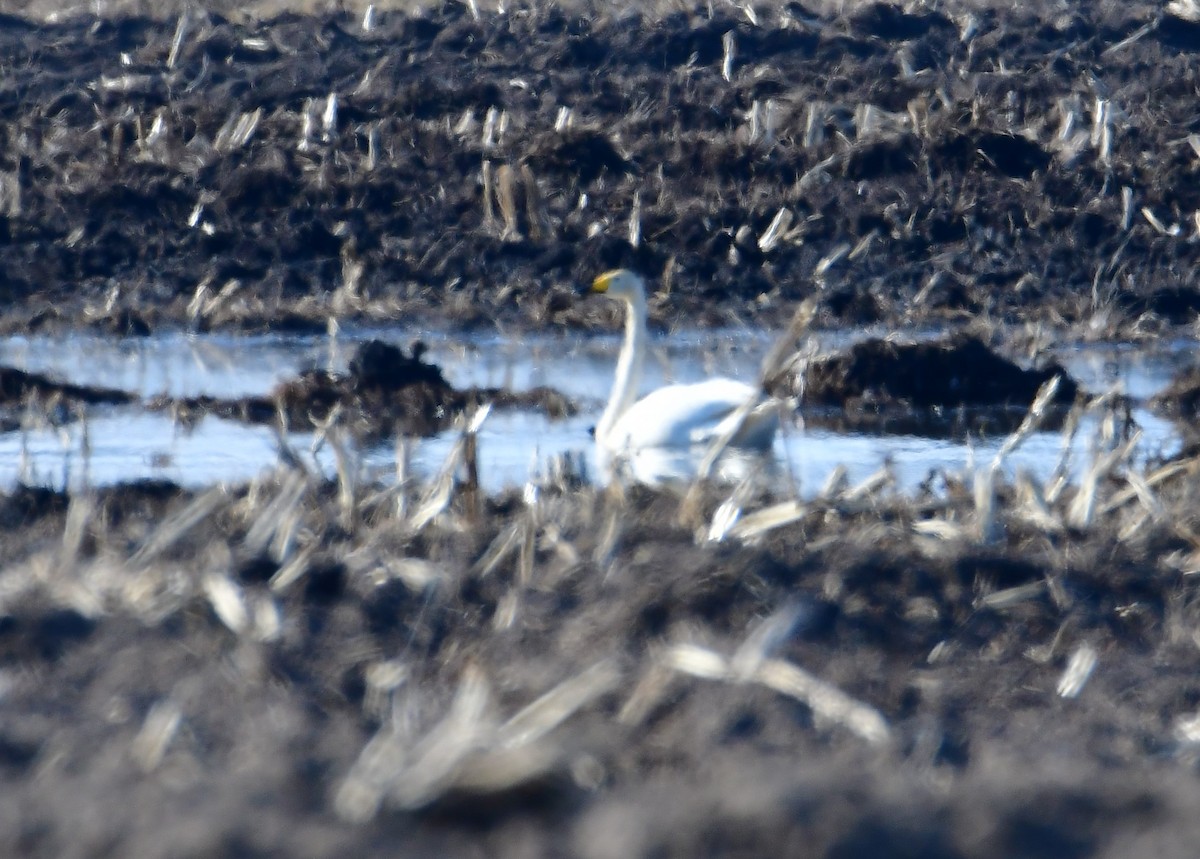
point(673, 416)
point(684, 415)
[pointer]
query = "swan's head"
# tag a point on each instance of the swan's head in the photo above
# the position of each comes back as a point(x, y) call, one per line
point(621, 283)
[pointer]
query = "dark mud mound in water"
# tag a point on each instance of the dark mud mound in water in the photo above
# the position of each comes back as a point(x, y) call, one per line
point(1181, 398)
point(24, 393)
point(882, 381)
point(384, 392)
point(1018, 160)
point(17, 387)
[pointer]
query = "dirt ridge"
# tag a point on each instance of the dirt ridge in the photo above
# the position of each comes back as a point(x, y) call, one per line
point(1023, 165)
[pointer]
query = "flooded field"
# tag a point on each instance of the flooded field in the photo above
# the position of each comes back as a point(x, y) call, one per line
point(305, 545)
point(124, 443)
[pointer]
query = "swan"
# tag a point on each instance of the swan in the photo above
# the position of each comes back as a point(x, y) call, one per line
point(673, 416)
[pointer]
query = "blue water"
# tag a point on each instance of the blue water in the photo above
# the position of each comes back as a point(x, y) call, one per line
point(123, 444)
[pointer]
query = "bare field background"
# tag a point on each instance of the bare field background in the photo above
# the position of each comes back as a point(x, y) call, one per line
point(916, 166)
point(47, 10)
point(302, 666)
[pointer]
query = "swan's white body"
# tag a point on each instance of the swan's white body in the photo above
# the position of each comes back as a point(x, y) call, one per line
point(685, 415)
point(675, 415)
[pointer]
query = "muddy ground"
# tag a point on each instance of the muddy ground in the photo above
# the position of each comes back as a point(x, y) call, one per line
point(912, 167)
point(302, 668)
point(292, 669)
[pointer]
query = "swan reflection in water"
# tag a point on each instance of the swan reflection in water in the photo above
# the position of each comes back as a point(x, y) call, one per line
point(675, 467)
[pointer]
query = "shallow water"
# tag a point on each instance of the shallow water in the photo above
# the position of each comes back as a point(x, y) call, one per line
point(123, 444)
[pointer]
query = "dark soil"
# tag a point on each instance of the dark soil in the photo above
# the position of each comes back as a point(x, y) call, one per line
point(18, 388)
point(961, 646)
point(1181, 398)
point(883, 384)
point(1018, 163)
point(27, 398)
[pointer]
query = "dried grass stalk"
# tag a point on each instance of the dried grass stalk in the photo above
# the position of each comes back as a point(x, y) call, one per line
point(466, 751)
point(266, 619)
point(228, 601)
point(827, 702)
point(830, 260)
point(559, 704)
point(635, 220)
point(762, 642)
point(490, 121)
point(80, 511)
point(697, 661)
point(176, 526)
point(775, 230)
point(150, 745)
point(501, 547)
point(275, 516)
point(382, 679)
point(237, 131)
point(329, 116)
point(943, 529)
point(438, 494)
point(535, 206)
point(1033, 420)
point(1078, 671)
point(293, 571)
point(181, 31)
point(646, 695)
point(987, 527)
point(1187, 10)
point(506, 197)
point(1012, 597)
point(1032, 506)
point(772, 368)
point(437, 758)
point(347, 467)
point(755, 524)
point(499, 770)
point(1155, 478)
point(723, 519)
point(10, 194)
point(1141, 32)
point(870, 485)
point(1082, 510)
point(814, 125)
point(489, 195)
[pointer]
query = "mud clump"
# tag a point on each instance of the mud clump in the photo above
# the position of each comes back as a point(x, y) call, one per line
point(18, 386)
point(385, 392)
point(1181, 398)
point(24, 395)
point(878, 381)
point(378, 365)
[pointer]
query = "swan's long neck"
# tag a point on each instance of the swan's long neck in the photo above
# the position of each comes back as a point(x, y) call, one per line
point(629, 368)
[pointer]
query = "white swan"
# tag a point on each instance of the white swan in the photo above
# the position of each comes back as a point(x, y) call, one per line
point(673, 416)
